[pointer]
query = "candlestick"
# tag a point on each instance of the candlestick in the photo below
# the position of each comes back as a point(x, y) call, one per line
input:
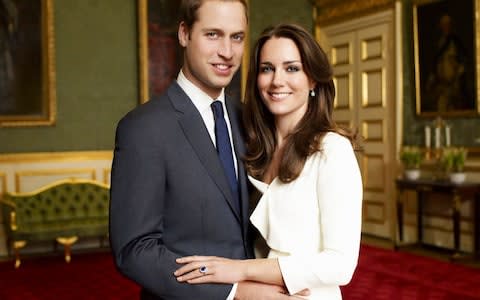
point(447, 136)
point(437, 137)
point(428, 137)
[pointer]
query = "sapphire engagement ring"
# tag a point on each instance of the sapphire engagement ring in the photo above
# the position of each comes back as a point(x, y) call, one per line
point(203, 270)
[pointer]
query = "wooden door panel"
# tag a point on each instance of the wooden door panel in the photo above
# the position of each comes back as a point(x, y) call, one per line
point(363, 62)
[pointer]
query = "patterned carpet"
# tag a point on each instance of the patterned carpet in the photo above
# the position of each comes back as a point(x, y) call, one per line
point(388, 275)
point(381, 275)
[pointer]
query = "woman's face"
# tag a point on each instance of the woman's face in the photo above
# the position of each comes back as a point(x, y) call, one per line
point(282, 82)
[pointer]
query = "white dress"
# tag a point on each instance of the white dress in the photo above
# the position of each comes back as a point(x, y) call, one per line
point(313, 224)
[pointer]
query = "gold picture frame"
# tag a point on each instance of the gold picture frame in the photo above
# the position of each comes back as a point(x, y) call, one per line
point(326, 12)
point(29, 97)
point(157, 22)
point(446, 50)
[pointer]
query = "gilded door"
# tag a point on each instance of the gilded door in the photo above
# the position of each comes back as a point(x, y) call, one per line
point(362, 55)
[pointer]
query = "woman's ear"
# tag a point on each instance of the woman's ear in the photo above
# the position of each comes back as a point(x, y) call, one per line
point(183, 34)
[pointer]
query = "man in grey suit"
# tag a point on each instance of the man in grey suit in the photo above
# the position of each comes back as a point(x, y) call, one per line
point(170, 195)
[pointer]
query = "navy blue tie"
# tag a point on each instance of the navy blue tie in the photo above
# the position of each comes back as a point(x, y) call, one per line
point(224, 149)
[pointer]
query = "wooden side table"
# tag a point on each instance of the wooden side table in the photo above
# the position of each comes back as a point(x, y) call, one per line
point(457, 191)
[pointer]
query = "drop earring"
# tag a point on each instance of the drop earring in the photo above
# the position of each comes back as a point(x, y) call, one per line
point(312, 93)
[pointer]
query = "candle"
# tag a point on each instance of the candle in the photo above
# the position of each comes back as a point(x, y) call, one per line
point(447, 136)
point(437, 137)
point(428, 137)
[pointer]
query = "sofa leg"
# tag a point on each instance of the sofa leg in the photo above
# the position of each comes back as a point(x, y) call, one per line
point(17, 245)
point(67, 243)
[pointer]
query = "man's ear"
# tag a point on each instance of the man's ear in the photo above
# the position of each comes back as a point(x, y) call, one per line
point(183, 34)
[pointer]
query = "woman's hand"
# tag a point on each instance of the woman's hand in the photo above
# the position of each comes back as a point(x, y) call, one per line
point(213, 269)
point(210, 269)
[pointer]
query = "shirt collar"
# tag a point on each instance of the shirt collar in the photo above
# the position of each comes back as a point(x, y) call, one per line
point(199, 98)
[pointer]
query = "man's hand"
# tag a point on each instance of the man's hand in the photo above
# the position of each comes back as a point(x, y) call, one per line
point(249, 290)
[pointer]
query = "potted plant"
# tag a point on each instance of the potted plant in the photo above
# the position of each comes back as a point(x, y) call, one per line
point(411, 157)
point(453, 162)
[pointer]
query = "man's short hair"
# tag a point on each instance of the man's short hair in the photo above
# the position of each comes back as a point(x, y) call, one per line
point(189, 8)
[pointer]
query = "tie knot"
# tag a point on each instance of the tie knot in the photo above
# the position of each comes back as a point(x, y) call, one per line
point(217, 109)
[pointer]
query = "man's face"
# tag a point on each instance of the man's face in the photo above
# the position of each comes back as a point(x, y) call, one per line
point(214, 45)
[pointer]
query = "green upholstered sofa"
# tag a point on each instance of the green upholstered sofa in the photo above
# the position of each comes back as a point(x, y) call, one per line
point(63, 211)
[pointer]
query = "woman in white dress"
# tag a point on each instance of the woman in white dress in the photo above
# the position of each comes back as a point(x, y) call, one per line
point(306, 169)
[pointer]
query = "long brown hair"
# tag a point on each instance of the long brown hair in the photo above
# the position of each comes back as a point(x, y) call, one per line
point(317, 121)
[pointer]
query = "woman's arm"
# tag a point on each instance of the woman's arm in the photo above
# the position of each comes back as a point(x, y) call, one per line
point(212, 269)
point(339, 198)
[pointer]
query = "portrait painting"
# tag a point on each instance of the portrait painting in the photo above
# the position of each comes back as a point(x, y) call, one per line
point(27, 75)
point(160, 55)
point(445, 58)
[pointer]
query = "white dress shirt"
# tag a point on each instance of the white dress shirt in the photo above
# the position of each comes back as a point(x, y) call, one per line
point(202, 102)
point(313, 224)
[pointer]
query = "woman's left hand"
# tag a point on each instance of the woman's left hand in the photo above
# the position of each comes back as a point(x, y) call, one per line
point(210, 269)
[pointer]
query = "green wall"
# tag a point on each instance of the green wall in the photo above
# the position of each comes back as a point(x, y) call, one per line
point(264, 13)
point(96, 74)
point(96, 71)
point(97, 77)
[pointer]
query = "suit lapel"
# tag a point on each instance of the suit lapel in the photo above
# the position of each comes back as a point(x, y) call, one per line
point(196, 133)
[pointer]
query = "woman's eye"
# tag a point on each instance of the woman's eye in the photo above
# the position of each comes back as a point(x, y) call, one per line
point(293, 69)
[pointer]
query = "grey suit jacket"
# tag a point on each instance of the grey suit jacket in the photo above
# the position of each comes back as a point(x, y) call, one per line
point(171, 198)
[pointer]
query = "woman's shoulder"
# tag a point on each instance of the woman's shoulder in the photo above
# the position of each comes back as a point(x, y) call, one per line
point(333, 139)
point(334, 148)
point(332, 144)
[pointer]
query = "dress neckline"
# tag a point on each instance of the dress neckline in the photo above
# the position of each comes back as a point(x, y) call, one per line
point(261, 185)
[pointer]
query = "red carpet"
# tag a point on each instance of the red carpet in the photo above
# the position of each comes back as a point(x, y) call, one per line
point(387, 275)
point(381, 275)
point(87, 277)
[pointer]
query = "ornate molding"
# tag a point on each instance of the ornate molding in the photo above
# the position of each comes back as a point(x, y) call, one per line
point(331, 11)
point(55, 156)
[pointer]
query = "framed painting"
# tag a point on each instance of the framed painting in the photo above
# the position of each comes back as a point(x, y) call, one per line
point(160, 55)
point(446, 46)
point(27, 67)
